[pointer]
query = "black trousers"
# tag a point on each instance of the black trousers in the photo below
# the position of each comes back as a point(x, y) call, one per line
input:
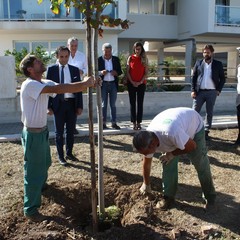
point(66, 115)
point(136, 97)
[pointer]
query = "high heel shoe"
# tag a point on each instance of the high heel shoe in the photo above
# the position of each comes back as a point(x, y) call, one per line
point(139, 126)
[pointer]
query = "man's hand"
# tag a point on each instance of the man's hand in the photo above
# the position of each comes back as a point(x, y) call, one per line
point(79, 111)
point(193, 94)
point(104, 72)
point(88, 81)
point(166, 157)
point(114, 73)
point(145, 189)
point(50, 111)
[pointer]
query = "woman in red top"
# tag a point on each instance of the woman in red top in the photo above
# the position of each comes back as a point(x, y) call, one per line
point(137, 68)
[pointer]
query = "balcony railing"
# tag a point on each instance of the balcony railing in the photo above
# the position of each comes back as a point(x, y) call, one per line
point(29, 10)
point(227, 16)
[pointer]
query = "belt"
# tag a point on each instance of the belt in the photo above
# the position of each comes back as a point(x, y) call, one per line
point(35, 130)
point(68, 99)
point(109, 81)
point(207, 89)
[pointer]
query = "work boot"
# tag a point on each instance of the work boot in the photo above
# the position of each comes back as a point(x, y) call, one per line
point(166, 203)
point(36, 217)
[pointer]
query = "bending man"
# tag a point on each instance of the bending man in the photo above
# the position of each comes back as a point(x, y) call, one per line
point(174, 132)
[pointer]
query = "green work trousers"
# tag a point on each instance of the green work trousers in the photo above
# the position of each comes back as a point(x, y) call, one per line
point(37, 160)
point(200, 161)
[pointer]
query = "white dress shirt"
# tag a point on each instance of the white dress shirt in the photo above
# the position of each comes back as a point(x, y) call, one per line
point(79, 61)
point(109, 67)
point(67, 79)
point(207, 82)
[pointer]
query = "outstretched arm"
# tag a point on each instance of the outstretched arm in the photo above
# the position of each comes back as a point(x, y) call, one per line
point(70, 87)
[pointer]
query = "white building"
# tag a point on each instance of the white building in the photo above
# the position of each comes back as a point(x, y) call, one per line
point(165, 25)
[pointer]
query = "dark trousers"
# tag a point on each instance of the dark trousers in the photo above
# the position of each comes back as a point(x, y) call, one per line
point(65, 115)
point(136, 97)
point(208, 96)
point(238, 119)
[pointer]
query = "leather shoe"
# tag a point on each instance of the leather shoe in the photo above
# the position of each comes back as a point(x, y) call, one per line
point(75, 132)
point(206, 135)
point(62, 161)
point(237, 142)
point(114, 125)
point(71, 157)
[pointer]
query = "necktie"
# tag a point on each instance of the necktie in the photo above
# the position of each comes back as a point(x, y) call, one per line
point(62, 75)
point(62, 82)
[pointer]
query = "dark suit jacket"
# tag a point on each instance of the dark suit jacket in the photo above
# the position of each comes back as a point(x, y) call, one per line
point(116, 66)
point(218, 76)
point(53, 74)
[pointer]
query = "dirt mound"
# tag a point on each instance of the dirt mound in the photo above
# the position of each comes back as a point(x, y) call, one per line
point(67, 200)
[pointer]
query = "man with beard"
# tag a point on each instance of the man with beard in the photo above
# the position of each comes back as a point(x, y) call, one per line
point(207, 83)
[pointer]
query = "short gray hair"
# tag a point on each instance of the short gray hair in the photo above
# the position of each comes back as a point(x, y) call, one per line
point(142, 140)
point(71, 39)
point(106, 45)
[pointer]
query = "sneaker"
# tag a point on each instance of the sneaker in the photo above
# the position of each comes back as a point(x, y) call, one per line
point(62, 161)
point(114, 125)
point(71, 157)
point(36, 217)
point(166, 203)
point(104, 126)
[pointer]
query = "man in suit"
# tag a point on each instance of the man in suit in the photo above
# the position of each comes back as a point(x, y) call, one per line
point(207, 82)
point(109, 69)
point(66, 106)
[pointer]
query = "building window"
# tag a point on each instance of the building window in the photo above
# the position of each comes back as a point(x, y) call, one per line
point(49, 46)
point(168, 7)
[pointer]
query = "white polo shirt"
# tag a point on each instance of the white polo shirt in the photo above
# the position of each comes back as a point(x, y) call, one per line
point(33, 103)
point(174, 127)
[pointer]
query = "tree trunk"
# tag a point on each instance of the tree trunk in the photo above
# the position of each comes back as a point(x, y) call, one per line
point(100, 128)
point(90, 123)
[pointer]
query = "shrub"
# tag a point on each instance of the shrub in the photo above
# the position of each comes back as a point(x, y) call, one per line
point(38, 52)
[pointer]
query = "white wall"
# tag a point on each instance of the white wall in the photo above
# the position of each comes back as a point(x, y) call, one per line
point(154, 103)
point(192, 17)
point(8, 82)
point(151, 27)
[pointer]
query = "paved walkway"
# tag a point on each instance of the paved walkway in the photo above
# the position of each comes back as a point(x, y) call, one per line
point(12, 131)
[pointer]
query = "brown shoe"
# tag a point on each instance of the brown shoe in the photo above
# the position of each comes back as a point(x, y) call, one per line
point(36, 217)
point(166, 203)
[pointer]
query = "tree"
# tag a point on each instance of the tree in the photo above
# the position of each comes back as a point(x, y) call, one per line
point(92, 9)
point(19, 55)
